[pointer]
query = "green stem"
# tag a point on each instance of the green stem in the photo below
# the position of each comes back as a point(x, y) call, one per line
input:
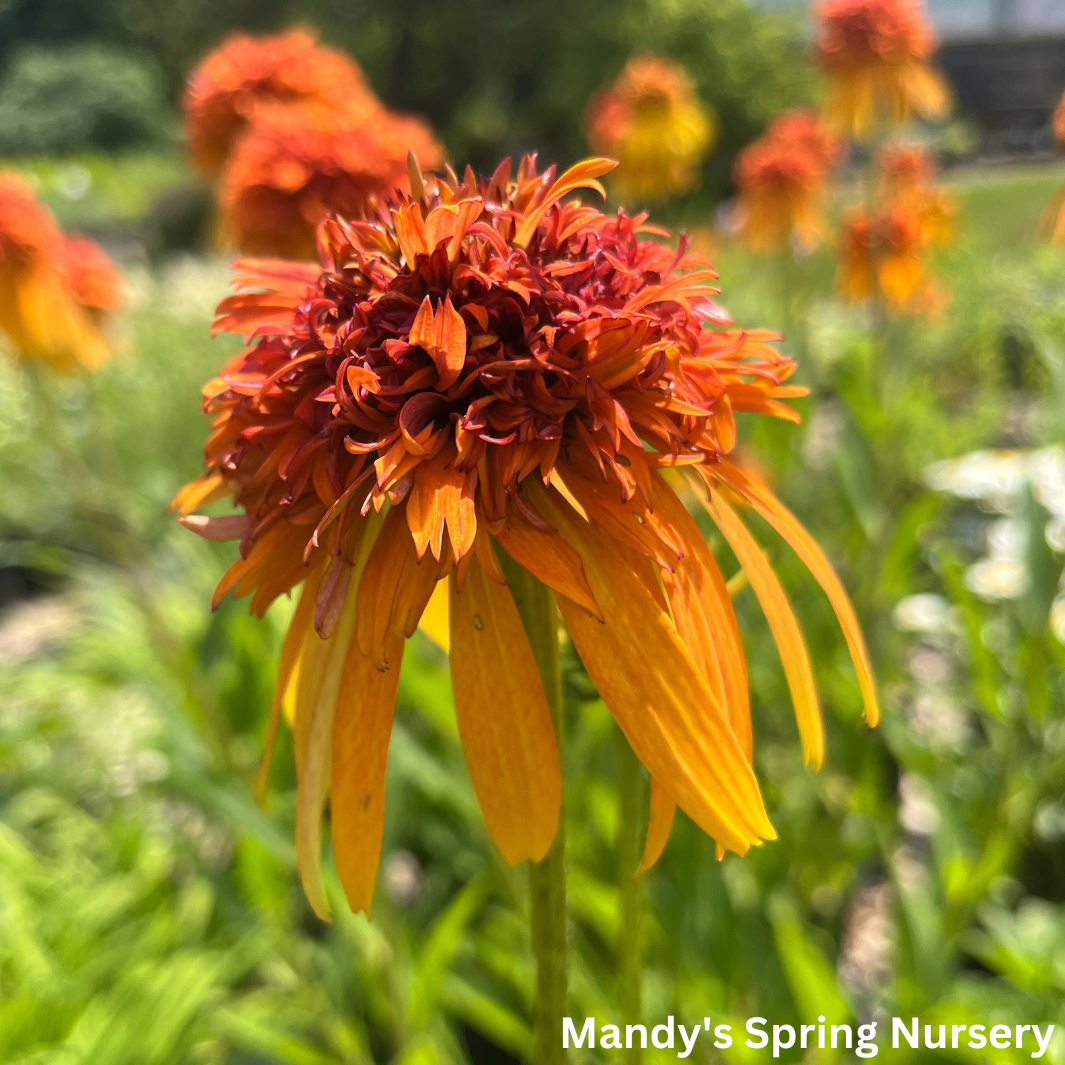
point(632, 788)
point(547, 878)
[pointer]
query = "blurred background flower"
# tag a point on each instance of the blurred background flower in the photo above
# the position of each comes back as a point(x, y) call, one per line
point(654, 124)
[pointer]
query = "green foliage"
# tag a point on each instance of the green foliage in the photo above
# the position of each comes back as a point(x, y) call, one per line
point(77, 97)
point(150, 912)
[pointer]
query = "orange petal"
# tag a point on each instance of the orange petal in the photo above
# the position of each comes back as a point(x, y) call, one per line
point(659, 823)
point(654, 690)
point(549, 559)
point(706, 620)
point(503, 718)
point(442, 494)
point(200, 493)
point(804, 545)
point(422, 334)
point(362, 728)
point(782, 623)
point(449, 348)
point(581, 175)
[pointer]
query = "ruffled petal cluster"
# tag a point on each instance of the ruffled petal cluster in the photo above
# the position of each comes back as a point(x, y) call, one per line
point(652, 121)
point(294, 165)
point(55, 290)
point(875, 56)
point(292, 132)
point(231, 84)
point(781, 180)
point(483, 375)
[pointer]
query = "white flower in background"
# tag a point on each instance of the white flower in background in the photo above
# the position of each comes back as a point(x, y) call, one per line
point(925, 612)
point(997, 578)
point(938, 720)
point(917, 811)
point(1057, 618)
point(994, 478)
point(1055, 534)
point(868, 939)
point(1006, 539)
point(1046, 473)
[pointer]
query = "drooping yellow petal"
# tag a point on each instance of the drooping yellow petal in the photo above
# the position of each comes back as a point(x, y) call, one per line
point(393, 589)
point(503, 718)
point(804, 545)
point(434, 622)
point(321, 666)
point(653, 688)
point(706, 620)
point(782, 623)
point(298, 627)
point(659, 823)
point(362, 728)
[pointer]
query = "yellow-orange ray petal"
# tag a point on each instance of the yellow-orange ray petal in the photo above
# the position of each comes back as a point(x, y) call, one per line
point(393, 590)
point(503, 718)
point(434, 621)
point(804, 545)
point(581, 175)
point(362, 728)
point(653, 688)
point(321, 666)
point(706, 620)
point(549, 559)
point(659, 823)
point(302, 620)
point(200, 493)
point(782, 623)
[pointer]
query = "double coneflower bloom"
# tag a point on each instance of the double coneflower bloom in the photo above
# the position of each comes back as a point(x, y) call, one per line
point(884, 252)
point(486, 369)
point(652, 121)
point(875, 56)
point(781, 180)
point(55, 290)
point(291, 132)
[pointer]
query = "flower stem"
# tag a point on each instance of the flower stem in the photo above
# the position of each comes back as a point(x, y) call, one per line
point(547, 878)
point(632, 788)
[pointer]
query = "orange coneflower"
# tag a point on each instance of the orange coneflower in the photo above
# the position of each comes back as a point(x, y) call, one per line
point(1057, 122)
point(906, 172)
point(93, 280)
point(652, 120)
point(295, 164)
point(875, 55)
point(1052, 224)
point(883, 254)
point(484, 368)
point(781, 179)
point(53, 290)
point(231, 83)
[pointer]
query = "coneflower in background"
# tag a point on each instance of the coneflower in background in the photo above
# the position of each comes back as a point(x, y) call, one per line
point(652, 121)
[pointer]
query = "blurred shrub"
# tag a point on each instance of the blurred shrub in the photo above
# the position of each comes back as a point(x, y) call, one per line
point(56, 101)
